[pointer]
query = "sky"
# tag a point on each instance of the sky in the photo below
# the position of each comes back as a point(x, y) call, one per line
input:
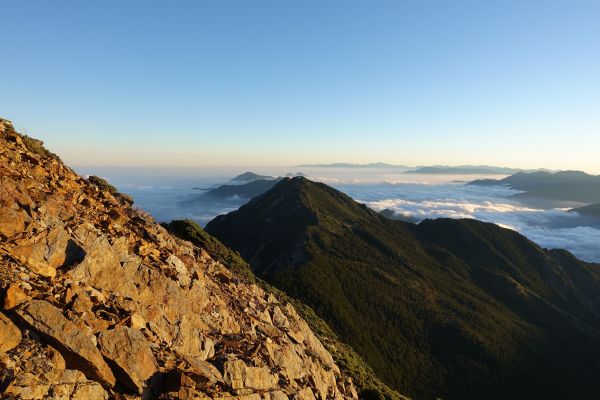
point(271, 83)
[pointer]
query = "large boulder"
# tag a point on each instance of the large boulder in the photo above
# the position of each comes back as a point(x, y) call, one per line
point(238, 375)
point(12, 220)
point(67, 385)
point(128, 349)
point(54, 247)
point(10, 335)
point(75, 344)
point(14, 296)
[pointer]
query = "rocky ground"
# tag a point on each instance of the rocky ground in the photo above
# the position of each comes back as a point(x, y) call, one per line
point(99, 302)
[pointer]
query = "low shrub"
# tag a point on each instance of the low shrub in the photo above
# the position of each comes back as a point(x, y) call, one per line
point(102, 184)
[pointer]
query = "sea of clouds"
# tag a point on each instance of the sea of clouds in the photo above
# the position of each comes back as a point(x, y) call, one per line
point(550, 228)
point(415, 197)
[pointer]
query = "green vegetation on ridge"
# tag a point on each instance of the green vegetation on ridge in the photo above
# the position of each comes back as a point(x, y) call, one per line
point(369, 384)
point(457, 309)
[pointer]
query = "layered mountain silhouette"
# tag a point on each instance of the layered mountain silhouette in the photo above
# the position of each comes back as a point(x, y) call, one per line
point(354, 165)
point(567, 186)
point(464, 169)
point(456, 309)
point(249, 177)
point(242, 188)
point(593, 210)
point(243, 191)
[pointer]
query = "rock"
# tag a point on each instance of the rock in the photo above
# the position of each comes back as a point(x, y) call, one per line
point(202, 371)
point(73, 385)
point(183, 276)
point(55, 359)
point(76, 345)
point(54, 248)
point(191, 341)
point(305, 394)
point(136, 321)
point(82, 303)
point(14, 296)
point(10, 335)
point(276, 395)
point(280, 320)
point(11, 221)
point(129, 350)
point(288, 360)
point(27, 387)
point(177, 385)
point(100, 263)
point(238, 375)
point(118, 216)
point(39, 267)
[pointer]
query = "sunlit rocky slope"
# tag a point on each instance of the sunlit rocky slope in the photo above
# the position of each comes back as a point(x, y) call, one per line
point(99, 301)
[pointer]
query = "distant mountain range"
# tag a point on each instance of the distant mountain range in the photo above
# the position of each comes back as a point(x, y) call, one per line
point(242, 191)
point(455, 309)
point(353, 165)
point(593, 210)
point(567, 186)
point(249, 177)
point(242, 188)
point(466, 170)
point(432, 169)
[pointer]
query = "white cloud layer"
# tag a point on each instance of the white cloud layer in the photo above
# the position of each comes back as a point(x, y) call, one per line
point(554, 228)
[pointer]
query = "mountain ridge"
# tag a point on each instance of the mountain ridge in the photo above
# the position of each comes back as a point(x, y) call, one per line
point(467, 169)
point(470, 307)
point(573, 186)
point(354, 165)
point(369, 384)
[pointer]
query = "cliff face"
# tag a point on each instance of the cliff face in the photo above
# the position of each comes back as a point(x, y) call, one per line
point(99, 301)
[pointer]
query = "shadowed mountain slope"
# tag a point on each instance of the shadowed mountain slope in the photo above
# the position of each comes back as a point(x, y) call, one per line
point(457, 309)
point(369, 384)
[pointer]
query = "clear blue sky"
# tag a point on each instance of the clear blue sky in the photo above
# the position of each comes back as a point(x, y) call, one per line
point(513, 83)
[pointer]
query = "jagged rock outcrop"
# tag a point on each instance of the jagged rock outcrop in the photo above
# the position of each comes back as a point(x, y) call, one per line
point(99, 301)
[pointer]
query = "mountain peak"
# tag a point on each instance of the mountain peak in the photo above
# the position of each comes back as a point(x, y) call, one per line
point(249, 176)
point(432, 304)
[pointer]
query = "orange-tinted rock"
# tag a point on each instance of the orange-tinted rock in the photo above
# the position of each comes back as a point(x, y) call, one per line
point(10, 335)
point(12, 221)
point(238, 375)
point(14, 296)
point(79, 347)
point(129, 350)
